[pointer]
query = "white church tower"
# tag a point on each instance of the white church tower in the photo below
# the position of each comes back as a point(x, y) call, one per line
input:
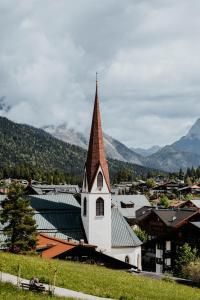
point(96, 196)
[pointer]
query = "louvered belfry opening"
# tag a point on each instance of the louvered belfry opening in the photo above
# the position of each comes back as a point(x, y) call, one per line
point(100, 181)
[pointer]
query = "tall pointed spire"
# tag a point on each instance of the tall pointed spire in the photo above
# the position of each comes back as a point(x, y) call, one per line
point(96, 152)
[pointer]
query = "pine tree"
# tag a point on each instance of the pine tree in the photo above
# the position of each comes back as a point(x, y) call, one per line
point(17, 218)
point(188, 181)
point(181, 174)
point(198, 173)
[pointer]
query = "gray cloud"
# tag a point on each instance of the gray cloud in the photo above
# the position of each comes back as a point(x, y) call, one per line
point(147, 54)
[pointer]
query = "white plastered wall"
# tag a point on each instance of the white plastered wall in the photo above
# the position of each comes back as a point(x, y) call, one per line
point(97, 228)
point(134, 254)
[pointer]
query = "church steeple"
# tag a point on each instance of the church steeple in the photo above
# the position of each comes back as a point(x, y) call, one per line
point(96, 195)
point(96, 152)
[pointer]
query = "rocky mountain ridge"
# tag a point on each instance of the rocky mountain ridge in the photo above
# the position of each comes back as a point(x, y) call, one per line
point(183, 153)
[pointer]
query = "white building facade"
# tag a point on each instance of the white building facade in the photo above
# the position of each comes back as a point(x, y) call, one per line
point(97, 220)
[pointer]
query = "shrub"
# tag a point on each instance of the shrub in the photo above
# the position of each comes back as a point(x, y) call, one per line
point(185, 256)
point(164, 201)
point(150, 183)
point(193, 270)
point(141, 234)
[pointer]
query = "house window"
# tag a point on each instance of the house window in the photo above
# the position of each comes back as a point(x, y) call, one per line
point(159, 261)
point(127, 259)
point(100, 180)
point(99, 207)
point(127, 205)
point(160, 246)
point(84, 206)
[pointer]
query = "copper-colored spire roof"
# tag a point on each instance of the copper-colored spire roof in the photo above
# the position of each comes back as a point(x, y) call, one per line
point(96, 153)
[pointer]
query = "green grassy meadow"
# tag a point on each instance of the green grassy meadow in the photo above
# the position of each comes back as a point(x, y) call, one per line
point(96, 280)
point(10, 292)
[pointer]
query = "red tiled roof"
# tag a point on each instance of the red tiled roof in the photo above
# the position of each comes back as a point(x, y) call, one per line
point(54, 246)
point(56, 250)
point(96, 152)
point(195, 187)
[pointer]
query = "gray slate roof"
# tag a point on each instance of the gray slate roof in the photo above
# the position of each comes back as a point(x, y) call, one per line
point(56, 202)
point(196, 224)
point(59, 216)
point(122, 234)
point(138, 200)
point(41, 189)
point(196, 202)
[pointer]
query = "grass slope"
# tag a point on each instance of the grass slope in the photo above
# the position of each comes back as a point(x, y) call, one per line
point(11, 292)
point(96, 280)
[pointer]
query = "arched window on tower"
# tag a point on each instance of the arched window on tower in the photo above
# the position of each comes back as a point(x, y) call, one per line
point(100, 180)
point(85, 182)
point(99, 207)
point(84, 206)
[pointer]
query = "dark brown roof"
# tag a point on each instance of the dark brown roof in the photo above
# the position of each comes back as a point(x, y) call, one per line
point(170, 217)
point(96, 152)
point(175, 217)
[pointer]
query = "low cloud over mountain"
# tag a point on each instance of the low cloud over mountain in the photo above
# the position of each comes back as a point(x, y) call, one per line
point(182, 154)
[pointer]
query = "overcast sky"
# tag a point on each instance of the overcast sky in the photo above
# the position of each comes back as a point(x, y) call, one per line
point(147, 53)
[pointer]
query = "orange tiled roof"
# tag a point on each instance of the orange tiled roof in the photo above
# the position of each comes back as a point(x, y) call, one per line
point(54, 246)
point(56, 250)
point(195, 186)
point(96, 152)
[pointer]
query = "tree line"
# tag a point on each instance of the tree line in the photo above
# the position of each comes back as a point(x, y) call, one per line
point(28, 173)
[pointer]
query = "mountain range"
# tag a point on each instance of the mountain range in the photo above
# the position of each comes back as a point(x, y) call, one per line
point(22, 144)
point(146, 152)
point(58, 147)
point(114, 148)
point(183, 153)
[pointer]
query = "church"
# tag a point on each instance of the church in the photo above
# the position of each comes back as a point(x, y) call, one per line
point(101, 220)
point(92, 222)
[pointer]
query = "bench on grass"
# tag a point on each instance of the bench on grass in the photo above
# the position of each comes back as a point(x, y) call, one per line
point(34, 288)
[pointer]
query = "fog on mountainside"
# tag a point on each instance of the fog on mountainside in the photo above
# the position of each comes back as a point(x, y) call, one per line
point(181, 154)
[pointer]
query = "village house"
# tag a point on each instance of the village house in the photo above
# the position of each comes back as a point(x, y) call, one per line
point(194, 189)
point(167, 230)
point(129, 204)
point(168, 187)
point(193, 203)
point(42, 189)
